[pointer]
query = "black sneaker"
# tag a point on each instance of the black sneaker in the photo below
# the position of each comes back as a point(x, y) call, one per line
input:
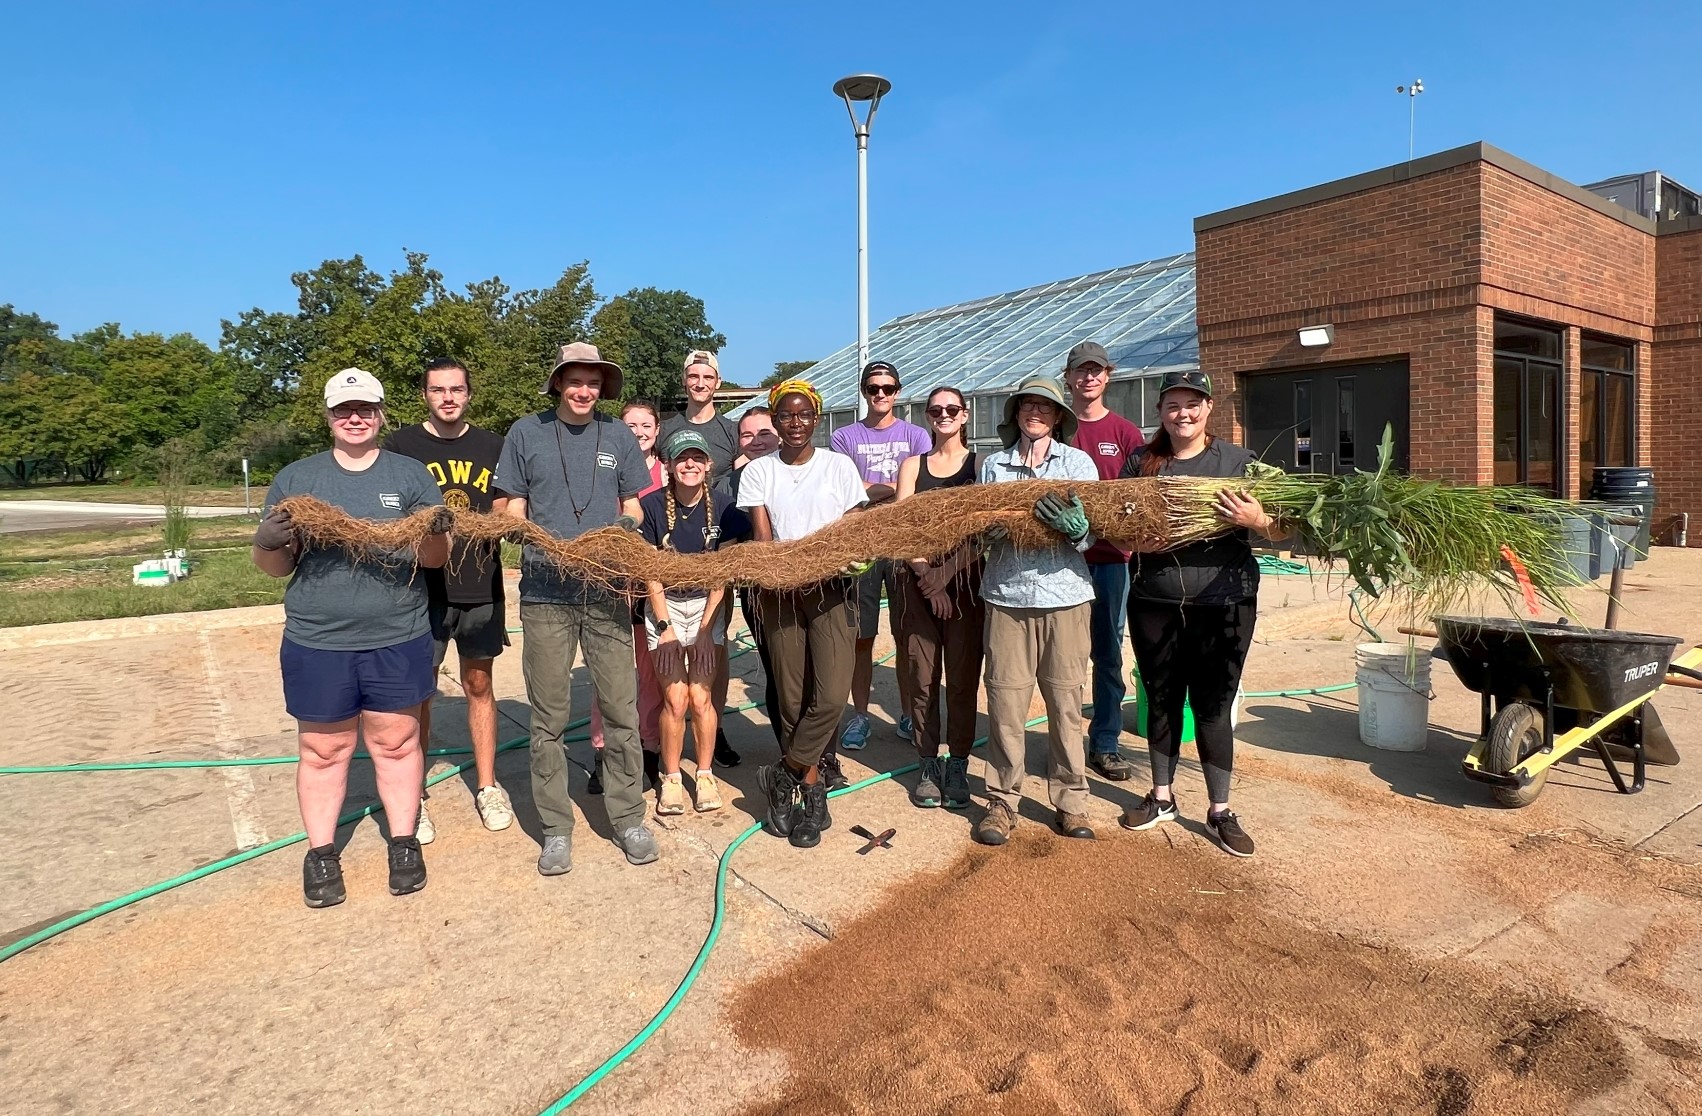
point(1226, 829)
point(781, 787)
point(831, 774)
point(955, 782)
point(652, 769)
point(407, 866)
point(322, 877)
point(594, 785)
point(724, 754)
point(812, 816)
point(927, 793)
point(1112, 766)
point(1148, 812)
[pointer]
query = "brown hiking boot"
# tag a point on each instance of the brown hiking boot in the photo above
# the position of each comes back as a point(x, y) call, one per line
point(1075, 825)
point(996, 824)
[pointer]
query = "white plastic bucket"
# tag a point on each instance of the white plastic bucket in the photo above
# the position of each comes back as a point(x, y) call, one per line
point(1394, 696)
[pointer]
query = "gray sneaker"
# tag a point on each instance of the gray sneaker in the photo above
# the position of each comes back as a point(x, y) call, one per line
point(638, 845)
point(557, 857)
point(955, 775)
point(927, 792)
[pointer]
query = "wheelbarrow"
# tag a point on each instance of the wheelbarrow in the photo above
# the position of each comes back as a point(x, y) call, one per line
point(1550, 688)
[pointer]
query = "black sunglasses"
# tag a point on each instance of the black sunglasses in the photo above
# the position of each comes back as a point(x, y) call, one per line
point(949, 410)
point(880, 389)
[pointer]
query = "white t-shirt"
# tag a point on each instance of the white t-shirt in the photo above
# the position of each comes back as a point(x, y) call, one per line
point(802, 498)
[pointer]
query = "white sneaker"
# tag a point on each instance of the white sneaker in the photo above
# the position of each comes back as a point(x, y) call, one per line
point(424, 832)
point(494, 808)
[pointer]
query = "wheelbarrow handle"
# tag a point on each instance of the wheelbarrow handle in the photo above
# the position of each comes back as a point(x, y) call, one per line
point(1425, 632)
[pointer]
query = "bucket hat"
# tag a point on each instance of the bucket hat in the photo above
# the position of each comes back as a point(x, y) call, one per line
point(582, 352)
point(1040, 386)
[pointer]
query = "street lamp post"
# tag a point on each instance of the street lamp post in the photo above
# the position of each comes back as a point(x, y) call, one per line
point(854, 90)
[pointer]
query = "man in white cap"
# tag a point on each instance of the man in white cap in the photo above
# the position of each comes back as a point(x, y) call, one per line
point(571, 470)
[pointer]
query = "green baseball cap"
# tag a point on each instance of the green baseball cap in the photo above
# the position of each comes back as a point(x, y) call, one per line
point(681, 441)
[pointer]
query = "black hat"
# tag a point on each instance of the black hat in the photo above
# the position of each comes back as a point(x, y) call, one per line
point(1191, 378)
point(874, 366)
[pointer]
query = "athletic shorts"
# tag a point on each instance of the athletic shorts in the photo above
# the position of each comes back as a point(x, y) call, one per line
point(479, 631)
point(330, 686)
point(869, 587)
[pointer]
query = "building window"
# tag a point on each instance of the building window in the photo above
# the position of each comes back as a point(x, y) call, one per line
point(1303, 425)
point(1527, 404)
point(1607, 407)
point(1345, 422)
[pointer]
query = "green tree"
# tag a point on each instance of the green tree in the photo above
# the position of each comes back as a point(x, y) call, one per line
point(786, 370)
point(648, 332)
point(25, 341)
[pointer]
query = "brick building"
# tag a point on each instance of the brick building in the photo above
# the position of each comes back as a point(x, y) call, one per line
point(1511, 326)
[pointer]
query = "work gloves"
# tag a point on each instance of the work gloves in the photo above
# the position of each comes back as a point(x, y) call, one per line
point(627, 523)
point(442, 521)
point(1067, 517)
point(276, 531)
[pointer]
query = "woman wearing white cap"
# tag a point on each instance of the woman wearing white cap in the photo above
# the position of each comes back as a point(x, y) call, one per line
point(357, 647)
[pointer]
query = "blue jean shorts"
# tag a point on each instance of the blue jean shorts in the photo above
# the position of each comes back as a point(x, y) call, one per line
point(325, 687)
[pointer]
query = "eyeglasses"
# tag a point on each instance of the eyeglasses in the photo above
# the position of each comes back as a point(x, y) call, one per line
point(345, 411)
point(783, 417)
point(458, 390)
point(1037, 406)
point(950, 410)
point(880, 389)
point(1091, 371)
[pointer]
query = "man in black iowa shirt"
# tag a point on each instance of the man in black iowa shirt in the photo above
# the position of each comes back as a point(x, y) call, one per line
point(466, 595)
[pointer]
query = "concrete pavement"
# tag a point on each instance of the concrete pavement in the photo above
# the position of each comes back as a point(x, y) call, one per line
point(18, 516)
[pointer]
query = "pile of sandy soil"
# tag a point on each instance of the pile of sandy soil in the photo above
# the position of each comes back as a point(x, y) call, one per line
point(1126, 977)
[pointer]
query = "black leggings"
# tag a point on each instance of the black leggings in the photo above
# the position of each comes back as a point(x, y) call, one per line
point(1191, 654)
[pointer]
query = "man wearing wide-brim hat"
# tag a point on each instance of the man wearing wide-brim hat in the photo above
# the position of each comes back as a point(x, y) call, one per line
point(573, 469)
point(1039, 606)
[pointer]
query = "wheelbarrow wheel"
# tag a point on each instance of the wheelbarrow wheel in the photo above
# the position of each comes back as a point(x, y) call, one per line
point(1514, 736)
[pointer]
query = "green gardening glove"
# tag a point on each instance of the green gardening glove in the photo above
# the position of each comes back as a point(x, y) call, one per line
point(1067, 517)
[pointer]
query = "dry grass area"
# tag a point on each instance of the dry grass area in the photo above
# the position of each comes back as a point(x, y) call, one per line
point(200, 495)
point(1132, 978)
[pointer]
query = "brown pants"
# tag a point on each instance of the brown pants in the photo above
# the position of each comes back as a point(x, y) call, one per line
point(942, 650)
point(812, 642)
point(1051, 647)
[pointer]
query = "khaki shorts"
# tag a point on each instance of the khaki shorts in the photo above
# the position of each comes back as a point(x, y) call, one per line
point(685, 617)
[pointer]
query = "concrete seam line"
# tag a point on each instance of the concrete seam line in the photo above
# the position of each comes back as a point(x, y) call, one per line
point(241, 795)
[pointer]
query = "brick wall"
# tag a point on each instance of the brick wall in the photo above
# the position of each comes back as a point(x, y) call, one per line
point(1674, 381)
point(1417, 268)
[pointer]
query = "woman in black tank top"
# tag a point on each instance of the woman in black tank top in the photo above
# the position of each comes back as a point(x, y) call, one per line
point(940, 617)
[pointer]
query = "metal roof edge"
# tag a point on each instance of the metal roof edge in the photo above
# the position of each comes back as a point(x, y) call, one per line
point(1417, 168)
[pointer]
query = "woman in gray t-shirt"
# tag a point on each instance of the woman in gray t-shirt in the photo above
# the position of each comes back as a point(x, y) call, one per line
point(357, 651)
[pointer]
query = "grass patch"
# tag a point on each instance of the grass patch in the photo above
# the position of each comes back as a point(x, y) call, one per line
point(133, 542)
point(51, 593)
point(195, 495)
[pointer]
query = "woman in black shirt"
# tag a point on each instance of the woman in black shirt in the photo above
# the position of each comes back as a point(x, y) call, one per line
point(1192, 610)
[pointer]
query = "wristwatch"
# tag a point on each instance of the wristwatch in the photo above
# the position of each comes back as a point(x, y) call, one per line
point(662, 626)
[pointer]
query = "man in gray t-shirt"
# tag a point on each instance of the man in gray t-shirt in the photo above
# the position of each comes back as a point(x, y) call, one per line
point(571, 470)
point(333, 603)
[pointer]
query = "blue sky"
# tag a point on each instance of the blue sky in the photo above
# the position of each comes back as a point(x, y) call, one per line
point(165, 166)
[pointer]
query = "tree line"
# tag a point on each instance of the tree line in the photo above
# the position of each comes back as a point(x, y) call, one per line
point(104, 401)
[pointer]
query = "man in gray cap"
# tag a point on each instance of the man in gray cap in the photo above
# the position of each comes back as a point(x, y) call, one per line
point(571, 470)
point(1038, 627)
point(1108, 438)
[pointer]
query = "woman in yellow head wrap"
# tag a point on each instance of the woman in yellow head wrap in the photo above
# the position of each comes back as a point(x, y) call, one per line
point(811, 633)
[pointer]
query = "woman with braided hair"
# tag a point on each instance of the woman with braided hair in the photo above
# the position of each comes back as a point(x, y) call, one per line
point(812, 632)
point(685, 628)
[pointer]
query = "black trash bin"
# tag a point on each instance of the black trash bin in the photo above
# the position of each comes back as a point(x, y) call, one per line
point(1615, 484)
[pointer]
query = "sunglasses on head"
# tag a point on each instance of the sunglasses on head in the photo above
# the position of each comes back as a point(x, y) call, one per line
point(949, 410)
point(880, 389)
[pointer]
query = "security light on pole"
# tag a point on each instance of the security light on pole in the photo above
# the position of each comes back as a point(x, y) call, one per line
point(854, 90)
point(1412, 91)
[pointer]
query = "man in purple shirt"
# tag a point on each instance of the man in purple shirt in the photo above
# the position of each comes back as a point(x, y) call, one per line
point(878, 444)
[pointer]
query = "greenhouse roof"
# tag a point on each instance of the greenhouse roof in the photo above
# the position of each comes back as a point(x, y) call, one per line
point(1143, 314)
